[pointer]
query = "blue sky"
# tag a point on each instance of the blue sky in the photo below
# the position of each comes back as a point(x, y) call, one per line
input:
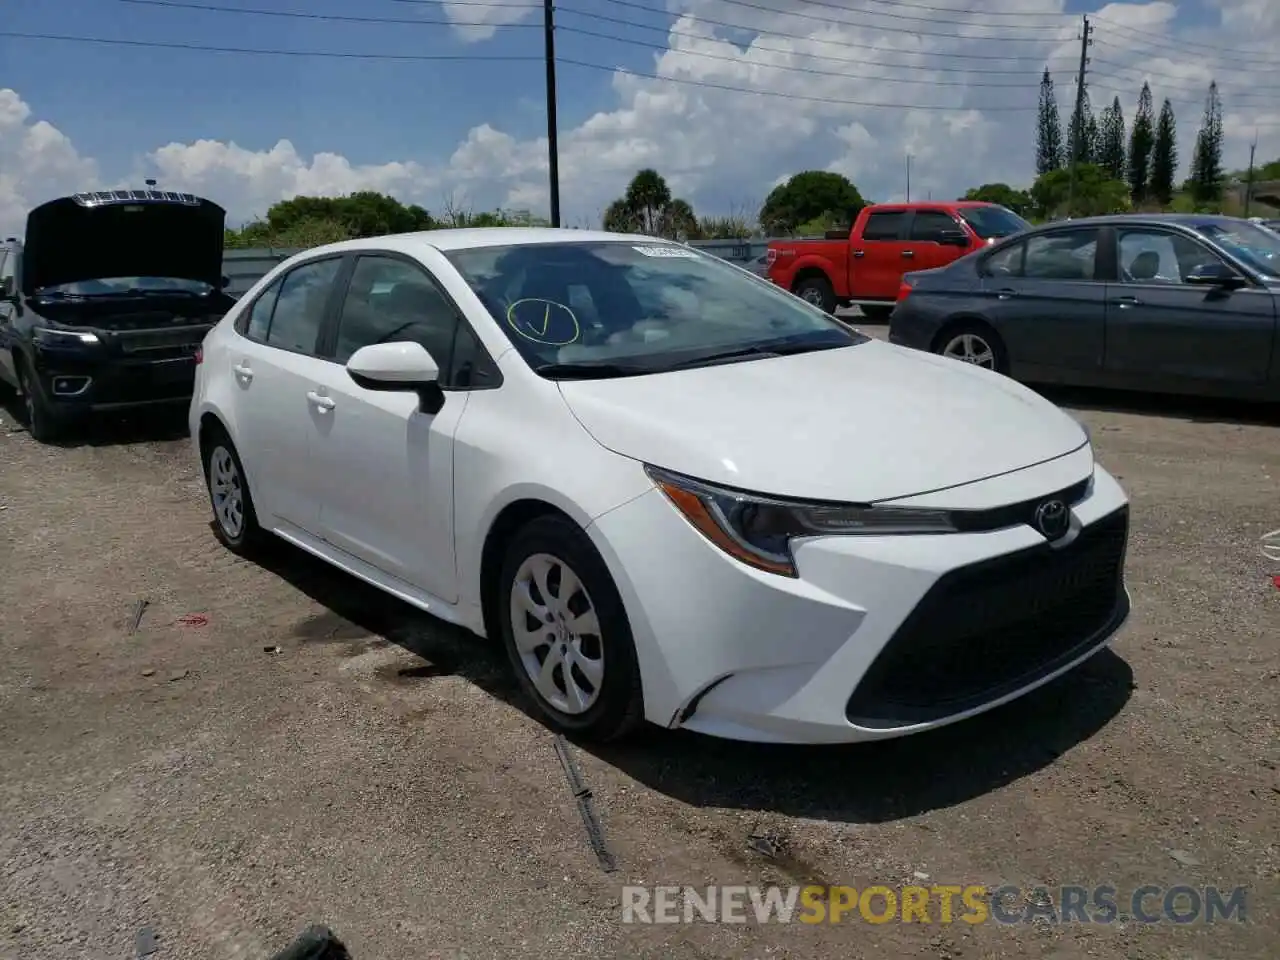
point(117, 104)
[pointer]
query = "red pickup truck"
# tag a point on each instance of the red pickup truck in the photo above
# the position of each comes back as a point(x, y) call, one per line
point(887, 241)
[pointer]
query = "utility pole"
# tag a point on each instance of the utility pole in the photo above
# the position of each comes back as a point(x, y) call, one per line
point(1248, 183)
point(908, 178)
point(1078, 126)
point(553, 140)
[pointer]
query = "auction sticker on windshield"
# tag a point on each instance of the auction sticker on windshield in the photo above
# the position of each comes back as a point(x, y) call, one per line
point(677, 253)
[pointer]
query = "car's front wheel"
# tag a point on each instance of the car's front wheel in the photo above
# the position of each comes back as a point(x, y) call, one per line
point(43, 422)
point(567, 634)
point(234, 521)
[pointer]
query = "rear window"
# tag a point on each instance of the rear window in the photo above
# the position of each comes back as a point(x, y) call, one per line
point(882, 226)
point(993, 222)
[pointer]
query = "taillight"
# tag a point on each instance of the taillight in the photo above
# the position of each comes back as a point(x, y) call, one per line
point(199, 354)
point(904, 291)
point(770, 256)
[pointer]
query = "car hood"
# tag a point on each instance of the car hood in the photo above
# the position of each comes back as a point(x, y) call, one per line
point(123, 233)
point(858, 424)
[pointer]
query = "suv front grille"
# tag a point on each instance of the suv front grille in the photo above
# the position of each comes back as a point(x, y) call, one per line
point(985, 630)
point(161, 344)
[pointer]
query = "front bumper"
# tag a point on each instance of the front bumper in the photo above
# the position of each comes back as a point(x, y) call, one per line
point(82, 380)
point(878, 636)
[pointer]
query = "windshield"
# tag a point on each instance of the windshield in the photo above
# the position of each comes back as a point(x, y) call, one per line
point(642, 306)
point(993, 222)
point(115, 286)
point(1252, 245)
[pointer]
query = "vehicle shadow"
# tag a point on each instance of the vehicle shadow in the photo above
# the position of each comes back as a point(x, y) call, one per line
point(871, 782)
point(110, 430)
point(1193, 409)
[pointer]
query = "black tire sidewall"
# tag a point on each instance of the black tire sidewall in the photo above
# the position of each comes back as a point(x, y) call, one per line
point(249, 528)
point(620, 705)
point(823, 287)
point(42, 423)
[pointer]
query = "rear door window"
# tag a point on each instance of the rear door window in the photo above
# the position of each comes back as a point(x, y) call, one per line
point(883, 226)
point(299, 309)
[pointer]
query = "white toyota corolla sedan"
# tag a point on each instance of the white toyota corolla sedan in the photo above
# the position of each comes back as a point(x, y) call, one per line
point(675, 492)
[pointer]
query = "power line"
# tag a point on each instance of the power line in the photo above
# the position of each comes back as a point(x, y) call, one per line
point(328, 54)
point(1176, 43)
point(1037, 58)
point(845, 75)
point(832, 21)
point(327, 17)
point(1244, 65)
point(1185, 84)
point(1063, 19)
point(1025, 14)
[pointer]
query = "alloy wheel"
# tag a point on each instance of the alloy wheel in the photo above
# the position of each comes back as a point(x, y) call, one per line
point(971, 348)
point(557, 634)
point(226, 489)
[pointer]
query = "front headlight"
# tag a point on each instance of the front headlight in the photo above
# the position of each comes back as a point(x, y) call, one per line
point(53, 337)
point(758, 530)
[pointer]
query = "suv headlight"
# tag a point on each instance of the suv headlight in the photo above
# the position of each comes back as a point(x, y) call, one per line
point(758, 530)
point(53, 337)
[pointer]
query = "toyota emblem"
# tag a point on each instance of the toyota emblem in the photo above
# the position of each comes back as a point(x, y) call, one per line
point(1052, 519)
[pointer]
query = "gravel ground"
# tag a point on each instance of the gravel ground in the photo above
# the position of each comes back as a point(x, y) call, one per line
point(378, 772)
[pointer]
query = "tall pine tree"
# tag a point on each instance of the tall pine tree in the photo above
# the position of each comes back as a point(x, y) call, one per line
point(1048, 129)
point(1206, 162)
point(1164, 157)
point(1082, 136)
point(1141, 140)
point(1111, 145)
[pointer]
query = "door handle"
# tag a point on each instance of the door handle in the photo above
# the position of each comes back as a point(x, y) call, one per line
point(908, 253)
point(1006, 294)
point(243, 371)
point(1125, 303)
point(320, 402)
point(859, 253)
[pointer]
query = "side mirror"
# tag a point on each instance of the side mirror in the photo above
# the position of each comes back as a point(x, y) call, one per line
point(226, 281)
point(1214, 274)
point(953, 238)
point(399, 367)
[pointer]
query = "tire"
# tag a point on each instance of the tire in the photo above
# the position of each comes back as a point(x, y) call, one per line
point(235, 522)
point(877, 314)
point(817, 290)
point(43, 422)
point(974, 343)
point(608, 706)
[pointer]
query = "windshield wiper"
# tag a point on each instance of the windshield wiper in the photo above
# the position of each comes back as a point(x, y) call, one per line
point(776, 349)
point(589, 370)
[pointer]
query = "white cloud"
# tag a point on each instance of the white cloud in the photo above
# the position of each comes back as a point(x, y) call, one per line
point(474, 22)
point(720, 148)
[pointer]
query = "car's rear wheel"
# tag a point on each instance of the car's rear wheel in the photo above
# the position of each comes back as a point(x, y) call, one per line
point(234, 520)
point(567, 634)
point(973, 343)
point(817, 290)
point(43, 422)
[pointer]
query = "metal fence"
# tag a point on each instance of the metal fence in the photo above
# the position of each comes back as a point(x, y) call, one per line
point(244, 267)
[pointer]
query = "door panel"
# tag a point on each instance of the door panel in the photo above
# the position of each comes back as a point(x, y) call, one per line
point(1044, 301)
point(925, 227)
point(878, 257)
point(272, 367)
point(384, 466)
point(1159, 326)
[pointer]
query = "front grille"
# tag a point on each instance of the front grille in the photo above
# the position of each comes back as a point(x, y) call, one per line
point(161, 344)
point(985, 630)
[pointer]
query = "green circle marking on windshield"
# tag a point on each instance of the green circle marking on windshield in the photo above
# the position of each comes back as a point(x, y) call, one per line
point(544, 321)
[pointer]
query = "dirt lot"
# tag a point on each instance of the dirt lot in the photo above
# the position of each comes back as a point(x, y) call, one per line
point(379, 774)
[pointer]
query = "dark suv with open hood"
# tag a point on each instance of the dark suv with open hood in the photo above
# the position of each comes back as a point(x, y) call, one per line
point(105, 304)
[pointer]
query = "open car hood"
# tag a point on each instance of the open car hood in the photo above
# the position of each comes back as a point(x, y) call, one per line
point(123, 233)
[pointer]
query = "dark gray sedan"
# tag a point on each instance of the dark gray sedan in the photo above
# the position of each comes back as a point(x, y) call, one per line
point(1169, 303)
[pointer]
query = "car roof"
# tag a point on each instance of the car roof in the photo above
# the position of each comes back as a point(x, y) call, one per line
point(475, 238)
point(1191, 220)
